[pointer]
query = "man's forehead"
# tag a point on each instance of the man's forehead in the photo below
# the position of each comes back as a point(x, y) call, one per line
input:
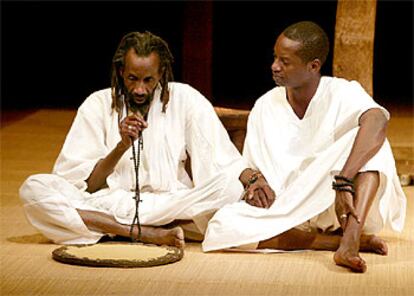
point(133, 52)
point(287, 45)
point(132, 59)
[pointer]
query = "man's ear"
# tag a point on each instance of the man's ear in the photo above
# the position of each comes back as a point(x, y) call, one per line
point(315, 65)
point(121, 71)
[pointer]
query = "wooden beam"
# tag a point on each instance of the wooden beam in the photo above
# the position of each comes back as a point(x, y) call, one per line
point(354, 41)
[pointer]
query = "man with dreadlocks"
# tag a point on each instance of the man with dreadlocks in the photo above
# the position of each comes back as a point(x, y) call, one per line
point(90, 193)
point(320, 143)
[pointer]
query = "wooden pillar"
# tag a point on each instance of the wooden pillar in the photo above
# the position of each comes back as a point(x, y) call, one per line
point(354, 41)
point(235, 122)
point(198, 46)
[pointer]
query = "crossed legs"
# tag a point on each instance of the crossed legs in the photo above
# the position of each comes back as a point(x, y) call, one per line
point(104, 223)
point(352, 241)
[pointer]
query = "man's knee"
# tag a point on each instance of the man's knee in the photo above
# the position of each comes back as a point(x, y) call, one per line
point(370, 178)
point(35, 187)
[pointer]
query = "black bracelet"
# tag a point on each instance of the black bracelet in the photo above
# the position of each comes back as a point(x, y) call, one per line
point(351, 190)
point(253, 178)
point(342, 184)
point(342, 178)
point(346, 184)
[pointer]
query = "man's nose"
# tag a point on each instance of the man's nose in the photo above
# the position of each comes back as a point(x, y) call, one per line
point(275, 66)
point(139, 89)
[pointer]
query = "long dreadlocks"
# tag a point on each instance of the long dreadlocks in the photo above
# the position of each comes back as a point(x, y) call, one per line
point(143, 44)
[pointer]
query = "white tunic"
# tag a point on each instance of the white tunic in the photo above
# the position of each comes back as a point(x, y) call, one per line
point(298, 158)
point(167, 192)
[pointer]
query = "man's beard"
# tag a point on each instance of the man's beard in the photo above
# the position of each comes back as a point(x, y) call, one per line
point(133, 106)
point(278, 81)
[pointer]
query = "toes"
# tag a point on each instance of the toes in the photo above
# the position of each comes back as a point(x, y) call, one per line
point(180, 238)
point(180, 243)
point(384, 250)
point(355, 263)
point(379, 246)
point(179, 233)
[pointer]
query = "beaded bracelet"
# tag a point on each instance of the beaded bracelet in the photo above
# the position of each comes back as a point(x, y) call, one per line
point(343, 186)
point(342, 178)
point(350, 190)
point(253, 178)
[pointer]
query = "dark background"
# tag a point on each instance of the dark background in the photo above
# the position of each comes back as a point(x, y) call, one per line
point(54, 54)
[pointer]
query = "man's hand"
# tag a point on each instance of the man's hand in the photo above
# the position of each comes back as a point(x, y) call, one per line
point(259, 194)
point(131, 127)
point(344, 207)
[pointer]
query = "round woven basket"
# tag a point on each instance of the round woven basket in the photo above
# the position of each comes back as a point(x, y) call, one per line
point(115, 254)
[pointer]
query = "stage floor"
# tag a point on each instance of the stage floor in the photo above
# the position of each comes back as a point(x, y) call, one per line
point(30, 143)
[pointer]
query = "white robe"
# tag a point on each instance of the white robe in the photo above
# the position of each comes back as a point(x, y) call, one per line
point(167, 192)
point(298, 159)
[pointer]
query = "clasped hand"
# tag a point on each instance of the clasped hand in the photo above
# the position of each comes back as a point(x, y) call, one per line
point(130, 128)
point(259, 194)
point(345, 208)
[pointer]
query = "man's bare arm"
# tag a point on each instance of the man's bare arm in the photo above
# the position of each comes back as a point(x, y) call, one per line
point(368, 141)
point(104, 168)
point(130, 128)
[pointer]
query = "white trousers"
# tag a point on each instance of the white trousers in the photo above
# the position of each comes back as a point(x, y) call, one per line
point(51, 203)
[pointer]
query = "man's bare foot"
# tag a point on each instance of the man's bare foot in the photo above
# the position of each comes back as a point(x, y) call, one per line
point(372, 243)
point(162, 236)
point(345, 258)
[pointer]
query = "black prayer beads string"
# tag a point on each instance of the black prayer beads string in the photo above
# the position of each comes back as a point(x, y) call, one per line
point(136, 159)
